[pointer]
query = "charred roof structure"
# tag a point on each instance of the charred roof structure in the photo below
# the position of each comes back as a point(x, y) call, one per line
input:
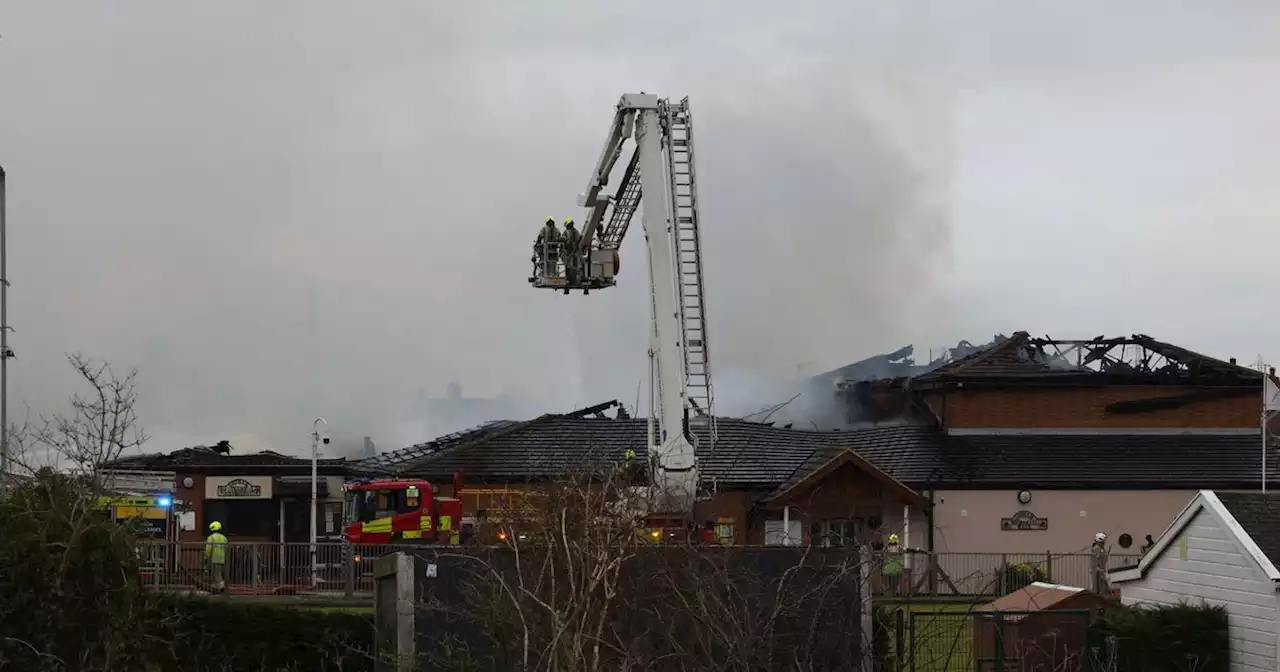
point(222, 458)
point(900, 363)
point(1137, 359)
point(1021, 361)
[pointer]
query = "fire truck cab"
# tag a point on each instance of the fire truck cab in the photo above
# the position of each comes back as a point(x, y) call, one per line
point(401, 511)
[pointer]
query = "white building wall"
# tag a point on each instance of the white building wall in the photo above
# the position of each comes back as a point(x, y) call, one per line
point(1206, 563)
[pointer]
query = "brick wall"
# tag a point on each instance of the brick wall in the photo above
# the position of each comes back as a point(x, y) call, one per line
point(194, 501)
point(727, 508)
point(1086, 408)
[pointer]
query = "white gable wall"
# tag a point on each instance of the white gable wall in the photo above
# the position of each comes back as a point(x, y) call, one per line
point(1217, 570)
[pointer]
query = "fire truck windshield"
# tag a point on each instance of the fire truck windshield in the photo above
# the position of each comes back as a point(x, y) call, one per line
point(366, 505)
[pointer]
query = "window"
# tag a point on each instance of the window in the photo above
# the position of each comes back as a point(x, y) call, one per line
point(497, 503)
point(411, 497)
point(366, 505)
point(250, 518)
point(837, 532)
point(332, 517)
point(776, 535)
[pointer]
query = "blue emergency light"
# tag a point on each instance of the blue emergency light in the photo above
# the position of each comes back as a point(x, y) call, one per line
point(163, 501)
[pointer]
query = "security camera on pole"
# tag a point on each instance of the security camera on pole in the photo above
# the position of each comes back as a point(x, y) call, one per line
point(316, 439)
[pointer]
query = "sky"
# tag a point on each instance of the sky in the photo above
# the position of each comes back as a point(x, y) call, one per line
point(278, 211)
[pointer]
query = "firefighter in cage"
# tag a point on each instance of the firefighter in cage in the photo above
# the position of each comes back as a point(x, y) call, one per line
point(546, 249)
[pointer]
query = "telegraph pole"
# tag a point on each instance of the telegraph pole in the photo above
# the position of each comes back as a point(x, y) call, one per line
point(5, 352)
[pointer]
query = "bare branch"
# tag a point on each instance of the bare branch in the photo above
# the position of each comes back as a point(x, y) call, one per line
point(101, 426)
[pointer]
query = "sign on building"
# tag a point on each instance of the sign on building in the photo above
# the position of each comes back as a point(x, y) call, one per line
point(1024, 521)
point(237, 487)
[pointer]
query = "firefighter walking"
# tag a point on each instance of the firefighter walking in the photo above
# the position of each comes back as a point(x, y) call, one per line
point(215, 553)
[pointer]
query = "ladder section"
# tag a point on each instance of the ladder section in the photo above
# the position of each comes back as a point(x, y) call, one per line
point(624, 206)
point(688, 250)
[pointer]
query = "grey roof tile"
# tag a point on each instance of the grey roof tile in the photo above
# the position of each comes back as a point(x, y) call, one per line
point(390, 460)
point(1192, 461)
point(757, 456)
point(1259, 514)
point(746, 454)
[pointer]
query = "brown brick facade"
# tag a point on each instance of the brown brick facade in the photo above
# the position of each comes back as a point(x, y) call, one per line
point(1086, 408)
point(727, 508)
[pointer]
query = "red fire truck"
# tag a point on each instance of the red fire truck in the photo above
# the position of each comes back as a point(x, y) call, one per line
point(402, 511)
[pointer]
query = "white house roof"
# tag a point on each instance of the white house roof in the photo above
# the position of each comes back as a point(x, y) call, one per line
point(1249, 517)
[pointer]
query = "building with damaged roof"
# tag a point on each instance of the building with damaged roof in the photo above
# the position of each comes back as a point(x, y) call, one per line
point(262, 496)
point(757, 469)
point(1022, 382)
point(1029, 445)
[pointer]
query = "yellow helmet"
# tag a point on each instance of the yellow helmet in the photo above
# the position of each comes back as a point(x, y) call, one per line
point(568, 221)
point(551, 220)
point(215, 526)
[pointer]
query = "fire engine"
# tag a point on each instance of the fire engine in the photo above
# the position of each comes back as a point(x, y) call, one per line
point(393, 511)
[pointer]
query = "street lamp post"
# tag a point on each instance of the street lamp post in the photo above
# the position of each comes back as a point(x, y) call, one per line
point(316, 439)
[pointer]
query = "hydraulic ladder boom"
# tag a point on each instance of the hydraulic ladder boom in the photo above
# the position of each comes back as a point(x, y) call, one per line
point(661, 168)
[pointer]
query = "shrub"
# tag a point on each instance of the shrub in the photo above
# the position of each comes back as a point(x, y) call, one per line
point(1017, 577)
point(1164, 638)
point(69, 591)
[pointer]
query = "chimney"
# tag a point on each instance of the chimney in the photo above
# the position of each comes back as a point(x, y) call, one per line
point(1233, 361)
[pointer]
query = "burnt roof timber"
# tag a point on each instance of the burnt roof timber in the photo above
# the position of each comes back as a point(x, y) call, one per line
point(1137, 359)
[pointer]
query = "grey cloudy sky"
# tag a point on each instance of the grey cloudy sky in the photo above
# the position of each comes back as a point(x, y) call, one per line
point(279, 210)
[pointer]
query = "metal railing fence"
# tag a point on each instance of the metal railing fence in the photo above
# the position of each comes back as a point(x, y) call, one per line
point(346, 570)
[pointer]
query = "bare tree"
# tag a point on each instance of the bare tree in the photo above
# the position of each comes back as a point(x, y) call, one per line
point(547, 591)
point(72, 595)
point(100, 426)
point(578, 581)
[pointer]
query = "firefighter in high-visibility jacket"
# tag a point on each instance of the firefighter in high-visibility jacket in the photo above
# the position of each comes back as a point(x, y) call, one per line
point(629, 466)
point(215, 553)
point(893, 567)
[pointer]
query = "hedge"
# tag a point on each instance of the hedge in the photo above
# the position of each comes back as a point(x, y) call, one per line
point(229, 634)
point(1165, 638)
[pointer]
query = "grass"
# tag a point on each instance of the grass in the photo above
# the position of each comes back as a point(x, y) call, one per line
point(943, 637)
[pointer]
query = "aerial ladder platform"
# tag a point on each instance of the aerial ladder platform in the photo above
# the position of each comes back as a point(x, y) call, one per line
point(659, 181)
